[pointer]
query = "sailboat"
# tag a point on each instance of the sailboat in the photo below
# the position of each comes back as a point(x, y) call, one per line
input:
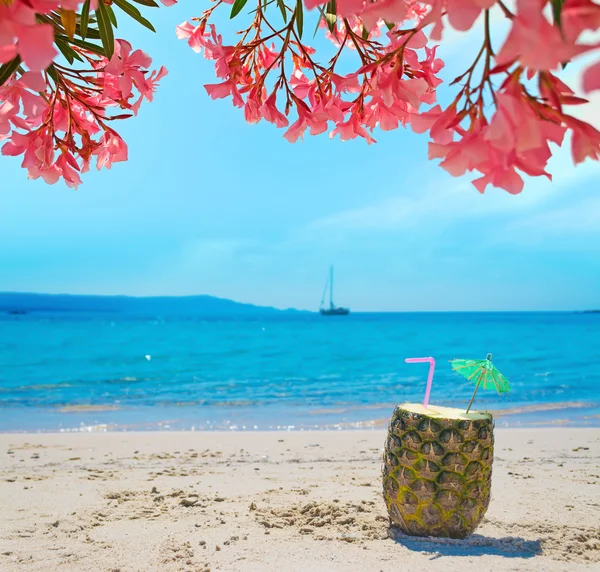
point(332, 310)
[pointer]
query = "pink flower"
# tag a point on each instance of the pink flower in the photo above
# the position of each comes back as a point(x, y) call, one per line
point(351, 129)
point(16, 146)
point(271, 113)
point(21, 34)
point(50, 174)
point(388, 10)
point(461, 14)
point(585, 141)
point(515, 126)
point(344, 7)
point(112, 149)
point(431, 66)
point(38, 150)
point(382, 116)
point(534, 42)
point(68, 168)
point(316, 120)
point(253, 104)
point(150, 83)
point(348, 83)
point(506, 179)
point(195, 34)
point(577, 16)
point(268, 57)
point(128, 67)
point(222, 90)
point(7, 111)
point(301, 86)
point(334, 109)
point(556, 92)
point(591, 78)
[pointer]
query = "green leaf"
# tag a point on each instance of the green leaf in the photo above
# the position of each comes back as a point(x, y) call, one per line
point(111, 14)
point(70, 54)
point(281, 5)
point(557, 6)
point(237, 7)
point(331, 15)
point(52, 73)
point(365, 33)
point(8, 69)
point(82, 44)
point(299, 18)
point(263, 6)
point(390, 25)
point(149, 3)
point(84, 20)
point(321, 9)
point(134, 13)
point(105, 29)
point(92, 33)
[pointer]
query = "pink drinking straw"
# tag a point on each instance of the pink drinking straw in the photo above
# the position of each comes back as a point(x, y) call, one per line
point(429, 377)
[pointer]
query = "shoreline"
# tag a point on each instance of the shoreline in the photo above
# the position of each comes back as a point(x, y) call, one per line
point(272, 501)
point(110, 418)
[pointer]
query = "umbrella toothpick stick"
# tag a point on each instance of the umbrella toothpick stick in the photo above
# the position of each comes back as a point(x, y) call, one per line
point(431, 362)
point(475, 392)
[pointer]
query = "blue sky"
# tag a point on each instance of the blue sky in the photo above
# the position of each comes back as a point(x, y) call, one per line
point(209, 204)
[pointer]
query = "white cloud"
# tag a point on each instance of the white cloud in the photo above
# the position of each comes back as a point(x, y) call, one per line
point(420, 212)
point(582, 217)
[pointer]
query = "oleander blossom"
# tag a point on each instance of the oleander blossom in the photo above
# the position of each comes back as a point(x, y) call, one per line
point(58, 117)
point(505, 115)
point(391, 86)
point(58, 125)
point(507, 112)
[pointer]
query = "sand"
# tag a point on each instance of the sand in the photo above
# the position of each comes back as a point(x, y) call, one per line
point(280, 501)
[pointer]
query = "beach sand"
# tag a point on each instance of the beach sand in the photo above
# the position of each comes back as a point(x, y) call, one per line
point(279, 501)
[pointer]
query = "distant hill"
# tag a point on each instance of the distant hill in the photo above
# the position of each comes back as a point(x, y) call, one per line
point(19, 303)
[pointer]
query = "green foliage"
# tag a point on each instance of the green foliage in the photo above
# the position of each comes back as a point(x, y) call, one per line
point(557, 6)
point(105, 29)
point(134, 13)
point(299, 14)
point(8, 69)
point(237, 7)
point(84, 19)
point(282, 9)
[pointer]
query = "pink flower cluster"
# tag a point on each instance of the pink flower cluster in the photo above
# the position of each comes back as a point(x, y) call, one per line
point(386, 91)
point(501, 131)
point(55, 116)
point(508, 109)
point(59, 121)
point(516, 138)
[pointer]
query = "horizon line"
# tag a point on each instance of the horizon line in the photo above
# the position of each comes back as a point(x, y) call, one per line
point(291, 308)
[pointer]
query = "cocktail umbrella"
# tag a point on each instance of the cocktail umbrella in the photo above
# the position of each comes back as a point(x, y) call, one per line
point(481, 371)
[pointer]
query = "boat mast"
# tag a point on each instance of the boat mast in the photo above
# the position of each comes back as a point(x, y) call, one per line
point(331, 286)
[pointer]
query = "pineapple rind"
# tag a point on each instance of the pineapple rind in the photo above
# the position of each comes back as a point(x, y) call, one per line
point(437, 472)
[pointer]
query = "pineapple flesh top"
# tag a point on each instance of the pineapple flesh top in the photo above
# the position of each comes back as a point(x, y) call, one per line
point(437, 469)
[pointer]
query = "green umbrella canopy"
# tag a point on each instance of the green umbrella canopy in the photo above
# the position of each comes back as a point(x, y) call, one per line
point(481, 372)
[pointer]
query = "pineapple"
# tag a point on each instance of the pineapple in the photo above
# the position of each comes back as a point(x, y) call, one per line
point(437, 470)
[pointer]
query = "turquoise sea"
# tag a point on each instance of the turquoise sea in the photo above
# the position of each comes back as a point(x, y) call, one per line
point(100, 371)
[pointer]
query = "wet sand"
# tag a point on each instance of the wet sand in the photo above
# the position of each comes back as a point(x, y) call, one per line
point(280, 501)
